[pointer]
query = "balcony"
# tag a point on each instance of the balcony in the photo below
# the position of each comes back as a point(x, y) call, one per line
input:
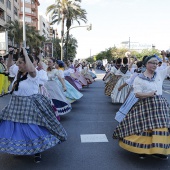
point(33, 7)
point(2, 14)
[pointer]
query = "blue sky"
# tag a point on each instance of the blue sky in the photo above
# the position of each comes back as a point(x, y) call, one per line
point(114, 21)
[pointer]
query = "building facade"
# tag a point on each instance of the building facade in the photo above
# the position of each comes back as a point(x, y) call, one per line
point(136, 46)
point(9, 11)
point(31, 12)
point(43, 26)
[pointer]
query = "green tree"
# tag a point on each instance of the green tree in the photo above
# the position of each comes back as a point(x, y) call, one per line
point(33, 37)
point(74, 14)
point(15, 31)
point(72, 47)
point(66, 10)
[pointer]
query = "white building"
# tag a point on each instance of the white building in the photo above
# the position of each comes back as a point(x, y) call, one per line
point(136, 46)
point(43, 26)
point(9, 11)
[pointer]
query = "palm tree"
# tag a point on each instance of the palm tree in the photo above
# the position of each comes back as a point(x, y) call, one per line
point(15, 33)
point(60, 11)
point(15, 30)
point(74, 14)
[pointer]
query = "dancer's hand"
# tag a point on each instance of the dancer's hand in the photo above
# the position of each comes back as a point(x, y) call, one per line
point(152, 94)
point(120, 88)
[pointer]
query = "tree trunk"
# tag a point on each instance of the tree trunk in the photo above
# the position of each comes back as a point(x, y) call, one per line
point(62, 35)
point(68, 24)
point(66, 45)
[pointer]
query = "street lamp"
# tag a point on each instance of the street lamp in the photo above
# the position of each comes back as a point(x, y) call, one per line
point(89, 27)
point(23, 17)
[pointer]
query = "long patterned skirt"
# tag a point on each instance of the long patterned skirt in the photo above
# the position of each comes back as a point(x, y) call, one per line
point(58, 98)
point(145, 129)
point(28, 125)
point(110, 85)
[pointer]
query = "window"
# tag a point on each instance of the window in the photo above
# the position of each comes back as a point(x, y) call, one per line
point(27, 19)
point(28, 10)
point(2, 1)
point(8, 4)
point(43, 24)
point(2, 16)
point(27, 1)
point(8, 18)
point(15, 11)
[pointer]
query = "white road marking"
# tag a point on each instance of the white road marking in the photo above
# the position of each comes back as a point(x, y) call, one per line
point(166, 91)
point(89, 138)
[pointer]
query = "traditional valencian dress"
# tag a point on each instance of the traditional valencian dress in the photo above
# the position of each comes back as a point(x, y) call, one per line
point(75, 83)
point(71, 93)
point(57, 96)
point(79, 76)
point(145, 129)
point(87, 75)
point(112, 81)
point(28, 124)
point(4, 83)
point(130, 100)
point(120, 96)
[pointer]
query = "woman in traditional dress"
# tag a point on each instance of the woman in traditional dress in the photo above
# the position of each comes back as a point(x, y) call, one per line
point(113, 77)
point(131, 99)
point(70, 76)
point(71, 93)
point(86, 74)
point(28, 125)
point(42, 75)
point(56, 94)
point(145, 129)
point(77, 73)
point(124, 72)
point(4, 82)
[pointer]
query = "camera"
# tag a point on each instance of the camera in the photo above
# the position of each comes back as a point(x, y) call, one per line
point(11, 52)
point(168, 55)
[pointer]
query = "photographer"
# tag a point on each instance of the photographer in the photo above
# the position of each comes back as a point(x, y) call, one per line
point(4, 83)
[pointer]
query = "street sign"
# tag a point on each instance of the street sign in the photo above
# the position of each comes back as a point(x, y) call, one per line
point(48, 49)
point(3, 45)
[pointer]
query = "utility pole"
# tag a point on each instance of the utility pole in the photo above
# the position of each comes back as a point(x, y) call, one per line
point(24, 33)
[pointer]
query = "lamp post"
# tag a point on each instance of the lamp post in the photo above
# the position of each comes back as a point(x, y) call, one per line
point(24, 34)
point(129, 43)
point(89, 27)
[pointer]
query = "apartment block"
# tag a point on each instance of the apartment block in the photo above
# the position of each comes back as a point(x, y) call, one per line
point(43, 26)
point(9, 11)
point(31, 12)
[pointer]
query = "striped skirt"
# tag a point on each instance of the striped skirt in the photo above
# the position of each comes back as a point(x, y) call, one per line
point(156, 141)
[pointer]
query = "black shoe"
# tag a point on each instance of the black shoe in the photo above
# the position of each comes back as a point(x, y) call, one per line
point(37, 158)
point(142, 156)
point(160, 156)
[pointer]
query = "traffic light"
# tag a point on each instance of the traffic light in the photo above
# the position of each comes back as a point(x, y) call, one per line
point(89, 27)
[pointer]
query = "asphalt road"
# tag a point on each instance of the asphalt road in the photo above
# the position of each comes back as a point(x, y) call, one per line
point(93, 114)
